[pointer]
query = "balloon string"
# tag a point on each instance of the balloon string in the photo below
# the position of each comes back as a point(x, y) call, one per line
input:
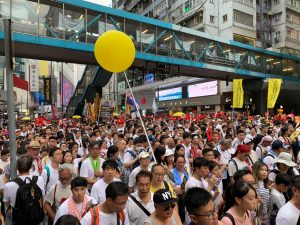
point(140, 117)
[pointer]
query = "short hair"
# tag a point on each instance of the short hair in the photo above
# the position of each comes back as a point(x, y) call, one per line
point(177, 156)
point(186, 135)
point(196, 197)
point(143, 173)
point(24, 163)
point(53, 138)
point(115, 189)
point(295, 182)
point(239, 174)
point(113, 149)
point(200, 162)
point(66, 166)
point(240, 132)
point(67, 220)
point(5, 151)
point(52, 150)
point(138, 140)
point(212, 165)
point(154, 166)
point(283, 179)
point(110, 163)
point(206, 150)
point(92, 144)
point(79, 182)
point(225, 142)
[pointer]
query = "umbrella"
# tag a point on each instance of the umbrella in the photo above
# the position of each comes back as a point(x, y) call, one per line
point(116, 114)
point(26, 118)
point(179, 114)
point(76, 117)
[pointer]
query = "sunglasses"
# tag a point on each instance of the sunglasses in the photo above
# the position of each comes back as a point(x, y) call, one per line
point(169, 207)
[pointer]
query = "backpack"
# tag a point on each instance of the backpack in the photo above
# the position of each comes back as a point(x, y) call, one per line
point(134, 155)
point(29, 203)
point(95, 214)
point(48, 177)
point(235, 164)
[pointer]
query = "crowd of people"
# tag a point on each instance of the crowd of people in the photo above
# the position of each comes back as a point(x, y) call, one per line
point(215, 170)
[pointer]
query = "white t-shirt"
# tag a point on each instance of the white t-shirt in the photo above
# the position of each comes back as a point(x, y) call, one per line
point(261, 150)
point(270, 161)
point(193, 182)
point(225, 158)
point(64, 210)
point(87, 170)
point(232, 167)
point(61, 194)
point(277, 198)
point(107, 219)
point(135, 214)
point(53, 177)
point(98, 190)
point(132, 176)
point(288, 214)
point(11, 188)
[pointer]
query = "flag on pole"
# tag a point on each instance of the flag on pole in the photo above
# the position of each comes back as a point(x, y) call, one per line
point(238, 93)
point(130, 101)
point(273, 91)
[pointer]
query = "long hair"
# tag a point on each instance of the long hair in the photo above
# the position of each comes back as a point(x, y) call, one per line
point(256, 168)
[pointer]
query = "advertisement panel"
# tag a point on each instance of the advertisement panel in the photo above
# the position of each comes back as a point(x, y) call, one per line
point(67, 91)
point(202, 89)
point(169, 94)
point(47, 90)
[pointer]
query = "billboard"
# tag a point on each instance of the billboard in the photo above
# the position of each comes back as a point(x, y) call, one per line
point(169, 94)
point(67, 91)
point(149, 78)
point(202, 89)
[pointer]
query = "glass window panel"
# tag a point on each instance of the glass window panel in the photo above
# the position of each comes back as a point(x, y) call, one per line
point(132, 29)
point(94, 21)
point(146, 37)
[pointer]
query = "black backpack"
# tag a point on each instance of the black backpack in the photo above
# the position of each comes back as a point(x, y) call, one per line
point(29, 203)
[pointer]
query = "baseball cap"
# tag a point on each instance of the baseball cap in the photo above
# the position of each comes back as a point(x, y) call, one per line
point(163, 196)
point(144, 155)
point(248, 140)
point(285, 158)
point(277, 144)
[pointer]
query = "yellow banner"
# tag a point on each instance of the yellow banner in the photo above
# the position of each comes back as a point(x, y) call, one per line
point(43, 68)
point(273, 92)
point(238, 93)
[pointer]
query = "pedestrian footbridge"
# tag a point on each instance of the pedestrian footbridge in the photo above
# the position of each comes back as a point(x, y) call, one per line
point(66, 31)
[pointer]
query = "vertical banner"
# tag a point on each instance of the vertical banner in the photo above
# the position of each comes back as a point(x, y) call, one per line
point(47, 90)
point(238, 93)
point(33, 78)
point(43, 68)
point(273, 91)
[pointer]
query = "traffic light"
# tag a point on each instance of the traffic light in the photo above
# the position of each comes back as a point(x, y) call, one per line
point(123, 107)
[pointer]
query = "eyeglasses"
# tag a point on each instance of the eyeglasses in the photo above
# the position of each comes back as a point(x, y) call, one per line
point(65, 179)
point(159, 174)
point(210, 215)
point(172, 206)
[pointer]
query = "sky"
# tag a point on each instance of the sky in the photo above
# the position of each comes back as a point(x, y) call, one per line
point(101, 2)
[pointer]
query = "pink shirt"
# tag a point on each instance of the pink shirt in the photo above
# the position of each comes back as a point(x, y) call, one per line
point(237, 220)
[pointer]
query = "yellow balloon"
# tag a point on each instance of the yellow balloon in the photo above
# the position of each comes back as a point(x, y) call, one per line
point(114, 51)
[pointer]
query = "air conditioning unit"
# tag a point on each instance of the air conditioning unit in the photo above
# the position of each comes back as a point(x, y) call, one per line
point(277, 39)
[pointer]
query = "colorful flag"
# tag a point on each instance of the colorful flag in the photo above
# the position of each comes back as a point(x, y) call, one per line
point(273, 91)
point(238, 93)
point(130, 101)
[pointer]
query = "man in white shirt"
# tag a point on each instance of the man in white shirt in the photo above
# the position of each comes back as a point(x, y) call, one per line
point(109, 168)
point(170, 144)
point(24, 164)
point(264, 146)
point(79, 203)
point(289, 213)
point(140, 203)
point(50, 173)
point(225, 151)
point(112, 210)
point(201, 170)
point(238, 140)
point(144, 165)
point(91, 168)
point(78, 140)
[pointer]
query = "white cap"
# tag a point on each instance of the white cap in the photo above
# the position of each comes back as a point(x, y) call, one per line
point(169, 152)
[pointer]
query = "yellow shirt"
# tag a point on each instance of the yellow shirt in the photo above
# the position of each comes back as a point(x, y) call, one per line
point(153, 190)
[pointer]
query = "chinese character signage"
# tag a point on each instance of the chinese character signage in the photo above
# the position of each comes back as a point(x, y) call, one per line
point(33, 78)
point(47, 90)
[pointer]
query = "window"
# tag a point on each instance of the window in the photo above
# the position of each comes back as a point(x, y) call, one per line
point(225, 18)
point(293, 34)
point(212, 19)
point(276, 2)
point(187, 6)
point(246, 2)
point(277, 34)
point(242, 18)
point(194, 21)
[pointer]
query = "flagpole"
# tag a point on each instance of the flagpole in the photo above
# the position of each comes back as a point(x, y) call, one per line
point(140, 117)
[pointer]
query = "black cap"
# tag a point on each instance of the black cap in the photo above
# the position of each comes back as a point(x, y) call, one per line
point(277, 145)
point(163, 196)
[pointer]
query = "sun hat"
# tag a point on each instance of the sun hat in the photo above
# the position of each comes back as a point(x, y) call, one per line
point(285, 158)
point(34, 144)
